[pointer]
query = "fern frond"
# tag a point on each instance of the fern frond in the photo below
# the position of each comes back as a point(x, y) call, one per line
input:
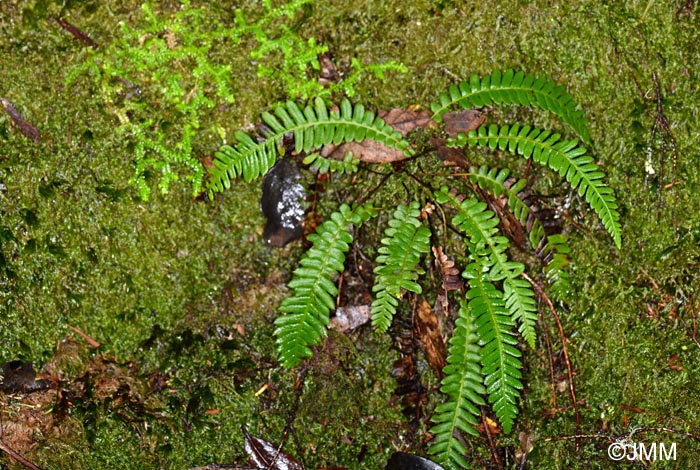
point(313, 127)
point(406, 240)
point(494, 181)
point(307, 311)
point(555, 248)
point(564, 156)
point(499, 356)
point(480, 225)
point(463, 385)
point(510, 87)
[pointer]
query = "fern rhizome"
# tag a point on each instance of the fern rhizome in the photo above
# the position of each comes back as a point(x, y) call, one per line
point(483, 361)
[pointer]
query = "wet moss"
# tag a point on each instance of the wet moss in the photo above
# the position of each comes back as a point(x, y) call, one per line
point(79, 248)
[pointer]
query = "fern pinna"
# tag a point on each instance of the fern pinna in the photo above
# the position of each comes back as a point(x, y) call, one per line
point(406, 240)
point(312, 127)
point(463, 384)
point(512, 87)
point(563, 156)
point(307, 311)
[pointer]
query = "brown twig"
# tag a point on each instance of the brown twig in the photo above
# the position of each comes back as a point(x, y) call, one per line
point(661, 126)
point(12, 453)
point(298, 390)
point(27, 128)
point(75, 32)
point(541, 294)
point(90, 341)
point(492, 445)
point(551, 365)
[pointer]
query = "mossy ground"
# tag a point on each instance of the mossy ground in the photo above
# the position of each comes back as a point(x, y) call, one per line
point(182, 293)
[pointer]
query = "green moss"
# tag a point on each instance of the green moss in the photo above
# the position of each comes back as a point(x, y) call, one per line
point(80, 249)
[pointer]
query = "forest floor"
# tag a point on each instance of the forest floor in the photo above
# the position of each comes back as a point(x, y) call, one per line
point(150, 323)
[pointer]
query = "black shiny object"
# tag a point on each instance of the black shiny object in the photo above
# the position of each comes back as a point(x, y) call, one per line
point(282, 203)
point(403, 461)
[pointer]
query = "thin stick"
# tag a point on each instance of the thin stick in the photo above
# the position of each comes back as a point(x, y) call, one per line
point(490, 439)
point(695, 325)
point(541, 294)
point(12, 453)
point(551, 365)
point(90, 341)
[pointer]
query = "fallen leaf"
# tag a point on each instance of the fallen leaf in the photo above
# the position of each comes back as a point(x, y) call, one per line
point(449, 275)
point(266, 456)
point(462, 121)
point(427, 329)
point(329, 73)
point(405, 120)
point(449, 155)
point(368, 150)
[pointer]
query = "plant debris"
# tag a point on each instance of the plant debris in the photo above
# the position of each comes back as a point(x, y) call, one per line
point(20, 377)
point(28, 129)
point(266, 456)
point(426, 326)
point(371, 151)
point(462, 121)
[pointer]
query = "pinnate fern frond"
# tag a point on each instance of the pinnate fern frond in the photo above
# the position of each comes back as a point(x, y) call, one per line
point(563, 156)
point(516, 88)
point(313, 126)
point(405, 242)
point(463, 385)
point(499, 356)
point(307, 311)
point(481, 226)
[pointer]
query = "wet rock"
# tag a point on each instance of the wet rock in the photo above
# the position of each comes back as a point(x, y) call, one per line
point(282, 203)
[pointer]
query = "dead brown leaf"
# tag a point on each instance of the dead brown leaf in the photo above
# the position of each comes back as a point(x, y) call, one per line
point(450, 276)
point(264, 455)
point(427, 329)
point(406, 120)
point(371, 151)
point(368, 150)
point(329, 73)
point(449, 155)
point(462, 121)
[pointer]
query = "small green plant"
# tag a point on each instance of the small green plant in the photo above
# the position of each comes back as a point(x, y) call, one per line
point(483, 358)
point(167, 79)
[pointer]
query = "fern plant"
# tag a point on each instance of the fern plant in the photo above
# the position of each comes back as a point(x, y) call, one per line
point(484, 359)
